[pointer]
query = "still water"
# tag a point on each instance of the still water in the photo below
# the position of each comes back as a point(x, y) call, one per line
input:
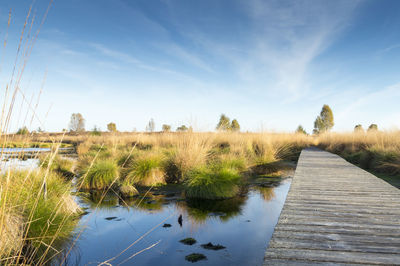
point(121, 231)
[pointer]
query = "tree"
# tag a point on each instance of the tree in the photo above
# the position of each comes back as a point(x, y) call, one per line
point(166, 128)
point(182, 128)
point(23, 131)
point(96, 131)
point(373, 128)
point(324, 121)
point(235, 125)
point(112, 127)
point(151, 126)
point(77, 123)
point(224, 123)
point(301, 130)
point(358, 128)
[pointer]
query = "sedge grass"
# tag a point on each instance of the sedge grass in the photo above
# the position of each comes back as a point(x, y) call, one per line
point(101, 175)
point(218, 181)
point(41, 222)
point(146, 171)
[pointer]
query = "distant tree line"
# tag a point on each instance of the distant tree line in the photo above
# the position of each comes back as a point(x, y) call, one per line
point(323, 123)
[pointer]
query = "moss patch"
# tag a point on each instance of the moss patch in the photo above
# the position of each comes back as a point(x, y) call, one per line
point(188, 241)
point(195, 257)
point(210, 246)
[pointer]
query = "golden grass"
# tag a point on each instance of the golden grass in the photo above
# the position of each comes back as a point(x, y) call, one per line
point(378, 151)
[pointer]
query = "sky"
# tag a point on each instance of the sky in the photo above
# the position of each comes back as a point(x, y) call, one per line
point(271, 65)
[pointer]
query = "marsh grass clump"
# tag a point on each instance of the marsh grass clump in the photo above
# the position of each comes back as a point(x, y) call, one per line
point(146, 171)
point(262, 152)
point(38, 226)
point(127, 191)
point(230, 161)
point(101, 175)
point(61, 165)
point(190, 151)
point(216, 181)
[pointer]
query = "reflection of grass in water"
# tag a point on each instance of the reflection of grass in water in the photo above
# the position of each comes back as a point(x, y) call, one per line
point(144, 204)
point(267, 193)
point(97, 199)
point(201, 210)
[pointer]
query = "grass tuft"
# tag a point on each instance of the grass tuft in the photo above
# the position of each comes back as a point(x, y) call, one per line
point(146, 171)
point(101, 175)
point(216, 181)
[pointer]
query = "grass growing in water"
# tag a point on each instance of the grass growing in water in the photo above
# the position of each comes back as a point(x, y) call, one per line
point(146, 171)
point(213, 182)
point(101, 175)
point(40, 226)
point(60, 165)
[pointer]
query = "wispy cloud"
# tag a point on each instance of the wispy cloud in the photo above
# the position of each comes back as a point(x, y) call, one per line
point(290, 35)
point(388, 49)
point(186, 56)
point(357, 106)
point(275, 51)
point(105, 51)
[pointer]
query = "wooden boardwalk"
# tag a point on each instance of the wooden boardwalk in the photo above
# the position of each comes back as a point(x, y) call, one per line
point(336, 214)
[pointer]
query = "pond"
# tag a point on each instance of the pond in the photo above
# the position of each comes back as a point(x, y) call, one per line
point(120, 231)
point(26, 158)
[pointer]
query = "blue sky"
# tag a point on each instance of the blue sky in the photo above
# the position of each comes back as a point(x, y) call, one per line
point(269, 64)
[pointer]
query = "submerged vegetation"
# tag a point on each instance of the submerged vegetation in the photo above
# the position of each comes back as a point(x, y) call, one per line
point(195, 257)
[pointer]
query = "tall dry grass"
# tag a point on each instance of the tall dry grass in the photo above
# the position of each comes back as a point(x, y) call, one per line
point(36, 208)
point(377, 151)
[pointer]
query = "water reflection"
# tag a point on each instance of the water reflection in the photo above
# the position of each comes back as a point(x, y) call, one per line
point(117, 223)
point(267, 193)
point(201, 210)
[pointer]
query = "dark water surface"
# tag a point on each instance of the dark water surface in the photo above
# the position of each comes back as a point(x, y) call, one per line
point(243, 225)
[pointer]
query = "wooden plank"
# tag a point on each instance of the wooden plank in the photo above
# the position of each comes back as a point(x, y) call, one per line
point(332, 256)
point(337, 214)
